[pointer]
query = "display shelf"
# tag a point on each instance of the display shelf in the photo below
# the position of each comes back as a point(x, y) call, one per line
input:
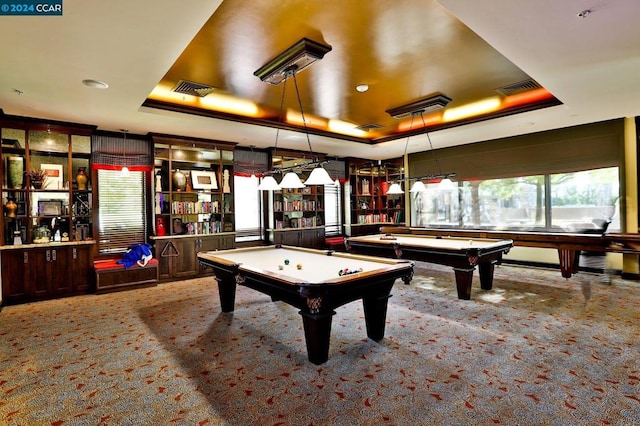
point(370, 204)
point(193, 186)
point(61, 152)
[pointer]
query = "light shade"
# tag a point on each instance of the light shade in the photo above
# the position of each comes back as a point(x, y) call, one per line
point(124, 172)
point(418, 186)
point(319, 176)
point(268, 184)
point(395, 189)
point(446, 184)
point(290, 181)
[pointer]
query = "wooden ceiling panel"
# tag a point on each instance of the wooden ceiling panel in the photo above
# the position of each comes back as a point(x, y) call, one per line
point(404, 50)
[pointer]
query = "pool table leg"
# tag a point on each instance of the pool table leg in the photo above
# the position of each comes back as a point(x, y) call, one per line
point(227, 292)
point(464, 277)
point(317, 333)
point(375, 315)
point(486, 274)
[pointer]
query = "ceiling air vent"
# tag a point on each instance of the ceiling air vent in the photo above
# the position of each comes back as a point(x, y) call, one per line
point(520, 87)
point(193, 89)
point(370, 126)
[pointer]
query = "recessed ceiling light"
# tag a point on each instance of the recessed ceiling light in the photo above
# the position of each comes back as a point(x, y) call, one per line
point(362, 88)
point(96, 84)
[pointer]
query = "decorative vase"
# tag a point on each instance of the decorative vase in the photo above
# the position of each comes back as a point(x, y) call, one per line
point(179, 180)
point(160, 230)
point(15, 172)
point(11, 207)
point(37, 184)
point(82, 178)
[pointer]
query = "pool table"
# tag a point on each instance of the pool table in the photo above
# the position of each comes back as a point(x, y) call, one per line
point(463, 254)
point(317, 287)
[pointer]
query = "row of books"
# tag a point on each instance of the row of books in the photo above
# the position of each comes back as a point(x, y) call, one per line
point(206, 228)
point(294, 205)
point(195, 207)
point(373, 218)
point(301, 222)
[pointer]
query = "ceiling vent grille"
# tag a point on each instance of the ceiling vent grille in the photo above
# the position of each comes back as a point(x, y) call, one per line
point(193, 89)
point(517, 88)
point(369, 126)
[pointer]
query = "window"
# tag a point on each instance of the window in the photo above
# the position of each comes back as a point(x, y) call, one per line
point(248, 209)
point(332, 208)
point(585, 201)
point(122, 210)
point(567, 202)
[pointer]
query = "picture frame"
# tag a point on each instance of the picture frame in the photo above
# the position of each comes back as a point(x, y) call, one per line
point(50, 208)
point(201, 179)
point(55, 178)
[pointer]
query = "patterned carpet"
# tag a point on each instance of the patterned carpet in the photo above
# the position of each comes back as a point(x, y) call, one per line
point(538, 349)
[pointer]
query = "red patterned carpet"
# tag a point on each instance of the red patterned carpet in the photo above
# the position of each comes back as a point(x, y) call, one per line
point(538, 349)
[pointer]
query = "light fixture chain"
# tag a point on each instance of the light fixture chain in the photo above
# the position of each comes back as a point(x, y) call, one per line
point(406, 147)
point(304, 121)
point(284, 90)
point(435, 156)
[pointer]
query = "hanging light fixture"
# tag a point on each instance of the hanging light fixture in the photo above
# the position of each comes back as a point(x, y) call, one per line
point(445, 181)
point(280, 69)
point(124, 172)
point(396, 187)
point(319, 175)
point(432, 103)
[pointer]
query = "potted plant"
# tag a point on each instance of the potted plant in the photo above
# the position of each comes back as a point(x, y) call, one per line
point(36, 177)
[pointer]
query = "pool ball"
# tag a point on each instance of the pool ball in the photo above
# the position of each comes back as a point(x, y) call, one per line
point(286, 261)
point(299, 266)
point(280, 267)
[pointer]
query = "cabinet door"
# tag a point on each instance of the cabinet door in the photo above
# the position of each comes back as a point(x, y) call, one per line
point(82, 269)
point(228, 242)
point(38, 284)
point(165, 252)
point(208, 243)
point(59, 271)
point(186, 264)
point(13, 275)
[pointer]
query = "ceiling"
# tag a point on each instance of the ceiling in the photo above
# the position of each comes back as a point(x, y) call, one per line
point(404, 50)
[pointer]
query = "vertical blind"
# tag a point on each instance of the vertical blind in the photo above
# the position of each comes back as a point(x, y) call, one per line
point(122, 212)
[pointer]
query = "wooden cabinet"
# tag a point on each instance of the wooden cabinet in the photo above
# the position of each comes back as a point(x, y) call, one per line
point(311, 238)
point(369, 204)
point(178, 256)
point(36, 272)
point(193, 186)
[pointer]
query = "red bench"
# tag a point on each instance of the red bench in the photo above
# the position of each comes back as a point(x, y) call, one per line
point(111, 276)
point(335, 243)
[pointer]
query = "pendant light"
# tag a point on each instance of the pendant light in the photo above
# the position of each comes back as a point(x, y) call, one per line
point(124, 172)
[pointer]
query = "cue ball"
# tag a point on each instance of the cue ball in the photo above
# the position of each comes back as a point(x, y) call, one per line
point(286, 261)
point(299, 266)
point(470, 242)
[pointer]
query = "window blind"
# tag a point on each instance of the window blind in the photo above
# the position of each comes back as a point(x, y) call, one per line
point(122, 212)
point(332, 208)
point(113, 152)
point(572, 149)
